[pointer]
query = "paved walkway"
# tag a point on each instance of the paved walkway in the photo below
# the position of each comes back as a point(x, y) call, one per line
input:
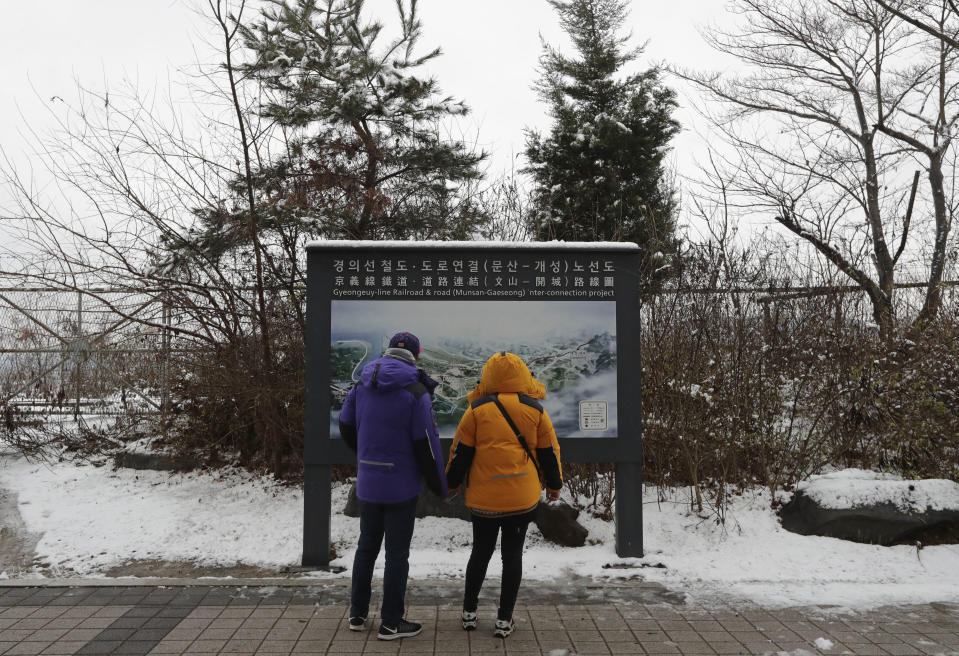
point(262, 617)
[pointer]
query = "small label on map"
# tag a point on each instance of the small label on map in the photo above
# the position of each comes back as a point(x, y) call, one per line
point(592, 415)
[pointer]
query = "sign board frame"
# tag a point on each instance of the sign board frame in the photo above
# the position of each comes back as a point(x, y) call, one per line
point(441, 272)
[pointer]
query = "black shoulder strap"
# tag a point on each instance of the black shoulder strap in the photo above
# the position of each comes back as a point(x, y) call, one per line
point(519, 435)
point(483, 400)
point(417, 389)
point(530, 401)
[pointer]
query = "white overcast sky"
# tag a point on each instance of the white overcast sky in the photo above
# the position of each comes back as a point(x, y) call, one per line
point(491, 48)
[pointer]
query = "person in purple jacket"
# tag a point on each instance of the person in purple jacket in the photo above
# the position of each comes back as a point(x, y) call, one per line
point(388, 420)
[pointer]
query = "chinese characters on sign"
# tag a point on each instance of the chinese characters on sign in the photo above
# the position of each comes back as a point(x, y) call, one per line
point(439, 277)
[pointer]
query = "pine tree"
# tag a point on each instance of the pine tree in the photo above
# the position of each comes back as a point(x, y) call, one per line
point(365, 159)
point(599, 172)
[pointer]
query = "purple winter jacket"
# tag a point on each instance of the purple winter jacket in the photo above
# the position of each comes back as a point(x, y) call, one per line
point(389, 418)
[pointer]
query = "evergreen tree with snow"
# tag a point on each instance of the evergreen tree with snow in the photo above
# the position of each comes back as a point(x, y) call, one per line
point(364, 157)
point(599, 172)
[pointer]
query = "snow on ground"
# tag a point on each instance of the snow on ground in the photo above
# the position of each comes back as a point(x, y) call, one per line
point(93, 518)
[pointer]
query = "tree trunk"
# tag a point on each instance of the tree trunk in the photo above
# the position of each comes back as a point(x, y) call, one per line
point(933, 300)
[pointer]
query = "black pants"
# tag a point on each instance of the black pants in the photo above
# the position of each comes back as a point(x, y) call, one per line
point(394, 521)
point(485, 530)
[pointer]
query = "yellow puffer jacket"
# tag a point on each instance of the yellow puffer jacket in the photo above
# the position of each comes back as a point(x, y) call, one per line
point(486, 456)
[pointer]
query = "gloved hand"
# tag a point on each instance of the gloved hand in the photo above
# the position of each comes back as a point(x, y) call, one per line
point(552, 495)
point(452, 495)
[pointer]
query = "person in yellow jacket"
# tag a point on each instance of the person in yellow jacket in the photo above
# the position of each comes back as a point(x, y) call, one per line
point(504, 451)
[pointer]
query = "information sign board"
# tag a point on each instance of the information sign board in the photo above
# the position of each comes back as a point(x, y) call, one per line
point(570, 310)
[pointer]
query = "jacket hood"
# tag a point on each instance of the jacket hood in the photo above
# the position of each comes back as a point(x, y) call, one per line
point(506, 373)
point(388, 373)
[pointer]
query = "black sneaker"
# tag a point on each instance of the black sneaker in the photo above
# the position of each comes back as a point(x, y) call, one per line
point(503, 628)
point(357, 623)
point(401, 629)
point(469, 621)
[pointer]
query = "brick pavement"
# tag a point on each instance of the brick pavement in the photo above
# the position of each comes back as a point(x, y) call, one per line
point(309, 618)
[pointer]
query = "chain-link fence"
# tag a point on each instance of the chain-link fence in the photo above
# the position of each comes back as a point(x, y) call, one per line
point(84, 351)
point(109, 351)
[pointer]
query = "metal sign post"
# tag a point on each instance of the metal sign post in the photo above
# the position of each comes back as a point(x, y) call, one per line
point(570, 310)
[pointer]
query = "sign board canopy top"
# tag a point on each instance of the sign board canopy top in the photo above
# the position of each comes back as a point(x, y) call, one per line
point(545, 245)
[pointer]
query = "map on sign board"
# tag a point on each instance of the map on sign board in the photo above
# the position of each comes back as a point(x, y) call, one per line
point(570, 346)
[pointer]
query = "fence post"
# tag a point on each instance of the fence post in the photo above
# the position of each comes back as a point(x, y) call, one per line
point(79, 362)
point(165, 343)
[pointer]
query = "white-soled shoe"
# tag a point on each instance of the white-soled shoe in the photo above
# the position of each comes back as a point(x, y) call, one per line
point(402, 629)
point(503, 628)
point(469, 621)
point(358, 623)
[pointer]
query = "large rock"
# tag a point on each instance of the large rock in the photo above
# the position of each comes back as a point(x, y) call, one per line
point(874, 509)
point(556, 521)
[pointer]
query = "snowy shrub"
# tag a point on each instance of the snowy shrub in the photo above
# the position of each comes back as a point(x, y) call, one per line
point(742, 389)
